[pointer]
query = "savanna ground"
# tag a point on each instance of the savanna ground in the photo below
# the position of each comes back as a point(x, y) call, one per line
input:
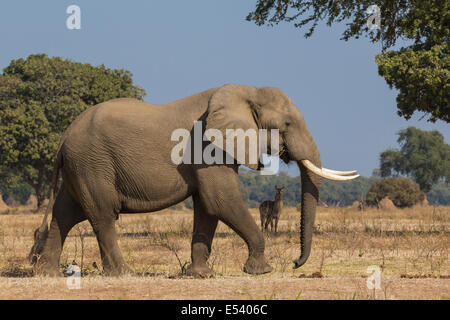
point(411, 246)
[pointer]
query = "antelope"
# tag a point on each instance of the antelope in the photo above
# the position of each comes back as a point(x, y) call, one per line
point(270, 211)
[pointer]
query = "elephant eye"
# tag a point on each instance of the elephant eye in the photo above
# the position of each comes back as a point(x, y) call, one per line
point(287, 123)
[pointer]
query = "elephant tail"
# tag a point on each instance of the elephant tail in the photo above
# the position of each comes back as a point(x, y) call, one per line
point(41, 233)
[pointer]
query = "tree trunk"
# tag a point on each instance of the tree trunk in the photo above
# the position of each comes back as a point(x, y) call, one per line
point(40, 190)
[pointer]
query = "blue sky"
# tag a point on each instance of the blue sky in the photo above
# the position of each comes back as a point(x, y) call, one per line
point(177, 48)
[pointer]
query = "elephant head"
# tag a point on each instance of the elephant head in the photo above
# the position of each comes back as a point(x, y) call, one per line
point(244, 107)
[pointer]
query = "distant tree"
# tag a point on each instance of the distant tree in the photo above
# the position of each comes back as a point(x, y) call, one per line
point(402, 191)
point(39, 97)
point(345, 193)
point(256, 188)
point(376, 172)
point(8, 179)
point(423, 156)
point(13, 188)
point(439, 194)
point(420, 72)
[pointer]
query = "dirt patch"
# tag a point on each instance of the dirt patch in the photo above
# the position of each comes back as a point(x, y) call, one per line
point(424, 276)
point(313, 275)
point(264, 287)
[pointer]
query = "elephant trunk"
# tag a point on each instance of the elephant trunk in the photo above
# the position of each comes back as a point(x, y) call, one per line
point(310, 196)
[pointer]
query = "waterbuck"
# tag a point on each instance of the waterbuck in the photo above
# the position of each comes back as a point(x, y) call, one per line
point(270, 211)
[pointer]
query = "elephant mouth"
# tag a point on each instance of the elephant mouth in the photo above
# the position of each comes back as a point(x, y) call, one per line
point(284, 153)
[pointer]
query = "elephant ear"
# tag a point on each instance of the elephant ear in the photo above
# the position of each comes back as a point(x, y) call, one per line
point(235, 107)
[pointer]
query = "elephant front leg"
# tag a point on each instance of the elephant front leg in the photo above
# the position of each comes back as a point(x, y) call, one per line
point(237, 217)
point(235, 214)
point(204, 228)
point(220, 195)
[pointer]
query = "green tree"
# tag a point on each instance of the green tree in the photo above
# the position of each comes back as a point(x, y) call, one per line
point(420, 72)
point(39, 97)
point(402, 191)
point(440, 194)
point(345, 193)
point(423, 155)
point(256, 188)
point(12, 187)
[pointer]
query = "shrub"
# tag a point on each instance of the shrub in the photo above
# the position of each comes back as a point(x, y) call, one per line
point(402, 191)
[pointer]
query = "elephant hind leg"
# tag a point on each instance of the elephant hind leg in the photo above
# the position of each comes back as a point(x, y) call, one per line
point(66, 214)
point(205, 226)
point(101, 209)
point(112, 259)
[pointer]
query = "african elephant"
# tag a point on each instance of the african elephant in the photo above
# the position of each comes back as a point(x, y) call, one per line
point(115, 158)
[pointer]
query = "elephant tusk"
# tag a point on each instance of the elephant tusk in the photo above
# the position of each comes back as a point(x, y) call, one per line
point(339, 173)
point(326, 173)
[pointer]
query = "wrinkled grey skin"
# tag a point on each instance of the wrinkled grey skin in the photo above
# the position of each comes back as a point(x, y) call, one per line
point(115, 158)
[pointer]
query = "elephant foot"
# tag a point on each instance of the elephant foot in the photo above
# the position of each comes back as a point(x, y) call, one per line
point(257, 266)
point(121, 270)
point(199, 271)
point(46, 270)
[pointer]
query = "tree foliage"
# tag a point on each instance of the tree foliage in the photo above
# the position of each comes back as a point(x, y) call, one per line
point(402, 191)
point(420, 71)
point(39, 97)
point(422, 77)
point(424, 156)
point(13, 189)
point(345, 193)
point(256, 188)
point(440, 194)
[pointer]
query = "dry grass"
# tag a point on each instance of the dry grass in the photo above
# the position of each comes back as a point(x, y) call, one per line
point(410, 246)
